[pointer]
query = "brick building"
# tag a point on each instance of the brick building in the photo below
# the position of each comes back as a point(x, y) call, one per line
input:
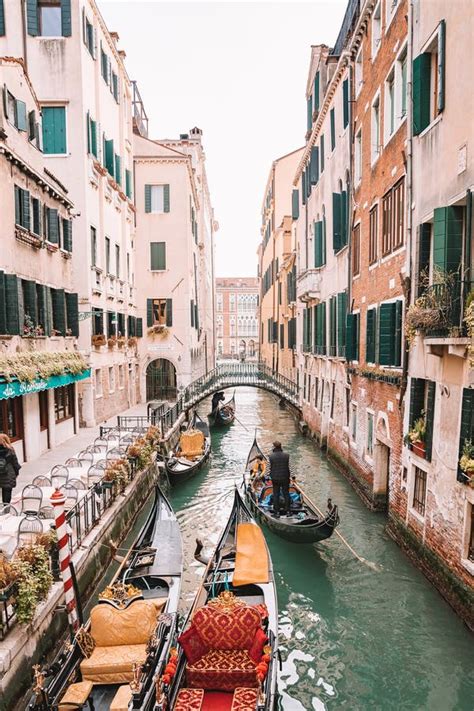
point(237, 317)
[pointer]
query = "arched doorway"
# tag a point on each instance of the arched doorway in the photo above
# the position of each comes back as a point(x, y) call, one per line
point(161, 380)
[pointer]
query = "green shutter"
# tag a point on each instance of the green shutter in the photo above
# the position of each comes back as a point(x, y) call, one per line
point(139, 327)
point(157, 255)
point(448, 238)
point(309, 113)
point(295, 204)
point(387, 322)
point(321, 151)
point(371, 337)
point(30, 303)
point(21, 121)
point(32, 17)
point(44, 316)
point(345, 102)
point(147, 198)
point(333, 326)
point(149, 312)
point(3, 305)
point(72, 312)
point(191, 304)
point(59, 310)
point(110, 157)
point(88, 128)
point(166, 198)
point(314, 166)
point(441, 65)
point(398, 338)
point(430, 410)
point(128, 183)
point(66, 18)
point(67, 235)
point(25, 209)
point(421, 92)
point(333, 129)
point(54, 129)
point(31, 124)
point(356, 336)
point(417, 399)
point(93, 138)
point(466, 431)
point(424, 247)
point(336, 222)
point(316, 92)
point(308, 182)
point(53, 225)
point(169, 312)
point(2, 23)
point(14, 309)
point(118, 169)
point(350, 336)
point(323, 326)
point(341, 322)
point(303, 187)
point(17, 194)
point(319, 257)
point(343, 218)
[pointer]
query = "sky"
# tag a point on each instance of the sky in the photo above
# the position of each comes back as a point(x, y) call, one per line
point(238, 71)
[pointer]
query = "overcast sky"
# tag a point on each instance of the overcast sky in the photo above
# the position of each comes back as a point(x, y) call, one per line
point(237, 70)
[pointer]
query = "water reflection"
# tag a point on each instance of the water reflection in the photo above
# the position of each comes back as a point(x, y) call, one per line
point(352, 636)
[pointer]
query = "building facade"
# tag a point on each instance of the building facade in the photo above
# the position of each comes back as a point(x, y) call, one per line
point(237, 313)
point(39, 323)
point(85, 98)
point(277, 268)
point(175, 288)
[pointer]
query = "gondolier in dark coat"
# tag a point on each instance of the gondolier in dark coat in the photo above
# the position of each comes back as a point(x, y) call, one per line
point(280, 475)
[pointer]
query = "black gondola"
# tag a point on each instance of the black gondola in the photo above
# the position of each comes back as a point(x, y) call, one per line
point(181, 467)
point(146, 587)
point(223, 413)
point(239, 574)
point(305, 524)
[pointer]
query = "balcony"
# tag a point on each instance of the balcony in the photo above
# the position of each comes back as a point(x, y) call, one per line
point(111, 290)
point(308, 285)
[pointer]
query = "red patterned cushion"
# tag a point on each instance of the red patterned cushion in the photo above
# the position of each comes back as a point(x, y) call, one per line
point(244, 699)
point(189, 700)
point(256, 650)
point(225, 630)
point(192, 644)
point(222, 670)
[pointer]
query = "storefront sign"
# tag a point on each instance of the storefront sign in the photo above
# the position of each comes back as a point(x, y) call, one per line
point(17, 388)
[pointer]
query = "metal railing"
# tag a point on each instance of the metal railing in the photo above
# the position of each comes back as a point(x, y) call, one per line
point(449, 301)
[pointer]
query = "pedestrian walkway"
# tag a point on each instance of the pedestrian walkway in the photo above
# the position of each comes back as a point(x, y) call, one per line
point(69, 448)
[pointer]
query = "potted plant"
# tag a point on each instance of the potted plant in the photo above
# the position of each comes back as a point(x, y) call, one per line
point(111, 342)
point(98, 340)
point(8, 579)
point(121, 340)
point(132, 341)
point(416, 437)
point(466, 462)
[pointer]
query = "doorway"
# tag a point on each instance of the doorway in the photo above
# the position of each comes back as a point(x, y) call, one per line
point(381, 474)
point(161, 380)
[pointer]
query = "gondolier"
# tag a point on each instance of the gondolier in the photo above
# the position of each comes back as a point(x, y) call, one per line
point(280, 475)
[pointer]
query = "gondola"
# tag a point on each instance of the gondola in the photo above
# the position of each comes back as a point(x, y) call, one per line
point(191, 452)
point(305, 524)
point(235, 611)
point(127, 638)
point(224, 413)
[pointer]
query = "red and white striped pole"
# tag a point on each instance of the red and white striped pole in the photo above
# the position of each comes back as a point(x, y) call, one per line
point(58, 500)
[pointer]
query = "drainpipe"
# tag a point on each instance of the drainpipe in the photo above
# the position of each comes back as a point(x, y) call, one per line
point(409, 198)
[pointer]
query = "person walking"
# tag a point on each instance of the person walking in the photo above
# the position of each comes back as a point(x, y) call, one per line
point(9, 468)
point(280, 475)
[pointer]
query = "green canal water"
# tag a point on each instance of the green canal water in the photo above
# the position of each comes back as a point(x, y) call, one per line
point(353, 636)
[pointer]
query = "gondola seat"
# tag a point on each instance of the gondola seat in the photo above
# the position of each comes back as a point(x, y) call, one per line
point(120, 637)
point(243, 699)
point(223, 645)
point(191, 444)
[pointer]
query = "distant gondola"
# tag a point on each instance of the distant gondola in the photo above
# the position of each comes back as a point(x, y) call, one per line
point(130, 632)
point(238, 577)
point(304, 524)
point(191, 452)
point(223, 413)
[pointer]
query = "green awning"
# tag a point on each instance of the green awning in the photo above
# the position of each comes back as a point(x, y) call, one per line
point(17, 388)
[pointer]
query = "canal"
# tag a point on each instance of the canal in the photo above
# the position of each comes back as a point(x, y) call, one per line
point(352, 635)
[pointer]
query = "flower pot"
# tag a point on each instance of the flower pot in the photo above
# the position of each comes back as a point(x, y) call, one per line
point(419, 449)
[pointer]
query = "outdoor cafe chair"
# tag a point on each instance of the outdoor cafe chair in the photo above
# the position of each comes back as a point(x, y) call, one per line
point(94, 475)
point(71, 496)
point(59, 480)
point(8, 509)
point(78, 483)
point(115, 453)
point(42, 480)
point(85, 456)
point(46, 512)
point(59, 469)
point(30, 527)
point(31, 499)
point(73, 462)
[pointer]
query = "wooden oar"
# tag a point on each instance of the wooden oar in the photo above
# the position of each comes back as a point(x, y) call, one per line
point(360, 558)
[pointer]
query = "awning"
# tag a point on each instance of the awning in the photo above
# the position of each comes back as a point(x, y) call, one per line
point(17, 388)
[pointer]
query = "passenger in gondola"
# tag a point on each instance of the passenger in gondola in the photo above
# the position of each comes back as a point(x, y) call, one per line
point(280, 474)
point(216, 399)
point(257, 473)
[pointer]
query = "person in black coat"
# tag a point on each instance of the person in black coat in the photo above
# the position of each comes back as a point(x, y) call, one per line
point(9, 468)
point(280, 475)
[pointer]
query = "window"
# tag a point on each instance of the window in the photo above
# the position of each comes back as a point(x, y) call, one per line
point(390, 8)
point(333, 399)
point(157, 198)
point(157, 256)
point(316, 392)
point(402, 86)
point(389, 122)
point(376, 29)
point(98, 382)
point(419, 491)
point(373, 231)
point(22, 207)
point(393, 218)
point(117, 261)
point(97, 321)
point(121, 371)
point(321, 153)
point(466, 430)
point(50, 20)
point(159, 312)
point(422, 406)
point(11, 418)
point(358, 73)
point(64, 403)
point(107, 255)
point(358, 157)
point(232, 302)
point(89, 37)
point(219, 302)
point(356, 250)
point(43, 410)
point(111, 378)
point(104, 66)
point(375, 146)
point(429, 81)
point(390, 333)
point(353, 421)
point(352, 336)
point(93, 246)
point(371, 336)
point(370, 433)
point(15, 111)
point(321, 401)
point(54, 130)
point(114, 87)
point(36, 214)
point(470, 545)
point(333, 129)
